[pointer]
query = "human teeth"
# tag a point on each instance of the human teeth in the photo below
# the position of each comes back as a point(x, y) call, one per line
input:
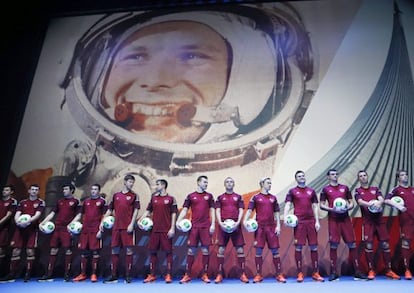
point(152, 110)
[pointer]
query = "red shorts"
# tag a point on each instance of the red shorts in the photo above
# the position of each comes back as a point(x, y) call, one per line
point(4, 237)
point(266, 234)
point(342, 227)
point(61, 237)
point(24, 238)
point(197, 235)
point(160, 240)
point(88, 240)
point(305, 230)
point(370, 229)
point(121, 238)
point(236, 237)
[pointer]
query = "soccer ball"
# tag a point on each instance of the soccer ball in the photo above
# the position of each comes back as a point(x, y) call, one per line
point(108, 222)
point(184, 225)
point(24, 219)
point(251, 225)
point(47, 227)
point(374, 209)
point(291, 221)
point(340, 205)
point(230, 225)
point(75, 227)
point(145, 224)
point(398, 200)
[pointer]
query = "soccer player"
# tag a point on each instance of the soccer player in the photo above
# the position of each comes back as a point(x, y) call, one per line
point(90, 240)
point(124, 206)
point(230, 205)
point(305, 203)
point(268, 218)
point(25, 234)
point(65, 210)
point(7, 209)
point(406, 216)
point(163, 208)
point(373, 223)
point(339, 223)
point(201, 204)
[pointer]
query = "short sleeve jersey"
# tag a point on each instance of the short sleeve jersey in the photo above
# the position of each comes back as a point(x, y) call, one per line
point(30, 207)
point(92, 211)
point(65, 210)
point(302, 199)
point(123, 205)
point(162, 207)
point(229, 205)
point(368, 194)
point(8, 205)
point(407, 194)
point(330, 193)
point(200, 204)
point(265, 205)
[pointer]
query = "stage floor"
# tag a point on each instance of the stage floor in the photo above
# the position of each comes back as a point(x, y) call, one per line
point(345, 284)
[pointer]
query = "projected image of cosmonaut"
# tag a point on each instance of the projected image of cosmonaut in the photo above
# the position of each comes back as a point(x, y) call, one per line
point(185, 92)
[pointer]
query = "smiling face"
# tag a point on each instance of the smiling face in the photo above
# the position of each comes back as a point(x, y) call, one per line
point(159, 69)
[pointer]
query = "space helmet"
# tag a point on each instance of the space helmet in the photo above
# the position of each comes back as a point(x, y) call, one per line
point(265, 97)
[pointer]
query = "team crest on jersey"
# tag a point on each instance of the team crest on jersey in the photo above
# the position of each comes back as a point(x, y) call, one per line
point(342, 189)
point(272, 200)
point(166, 201)
point(6, 204)
point(36, 205)
point(206, 197)
point(373, 192)
point(235, 198)
point(309, 192)
point(98, 203)
point(71, 203)
point(128, 197)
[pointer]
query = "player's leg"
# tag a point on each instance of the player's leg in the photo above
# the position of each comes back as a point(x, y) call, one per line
point(406, 255)
point(273, 244)
point(386, 253)
point(347, 231)
point(205, 240)
point(259, 245)
point(334, 238)
point(85, 255)
point(241, 259)
point(153, 245)
point(14, 263)
point(191, 251)
point(30, 259)
point(220, 264)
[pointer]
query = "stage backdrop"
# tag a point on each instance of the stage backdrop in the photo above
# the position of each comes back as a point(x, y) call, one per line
point(246, 91)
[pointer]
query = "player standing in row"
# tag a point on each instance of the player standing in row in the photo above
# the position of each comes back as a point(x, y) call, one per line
point(163, 208)
point(201, 204)
point(65, 210)
point(230, 205)
point(305, 203)
point(370, 198)
point(268, 218)
point(8, 206)
point(406, 216)
point(339, 223)
point(25, 234)
point(124, 206)
point(90, 240)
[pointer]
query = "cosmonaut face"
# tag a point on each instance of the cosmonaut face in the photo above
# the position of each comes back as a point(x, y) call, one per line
point(161, 68)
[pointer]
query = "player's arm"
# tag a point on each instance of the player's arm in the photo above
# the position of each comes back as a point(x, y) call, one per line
point(286, 209)
point(182, 214)
point(131, 225)
point(213, 219)
point(171, 232)
point(315, 210)
point(218, 216)
point(36, 216)
point(247, 215)
point(323, 203)
point(240, 217)
point(49, 217)
point(277, 219)
point(393, 204)
point(349, 200)
point(7, 216)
